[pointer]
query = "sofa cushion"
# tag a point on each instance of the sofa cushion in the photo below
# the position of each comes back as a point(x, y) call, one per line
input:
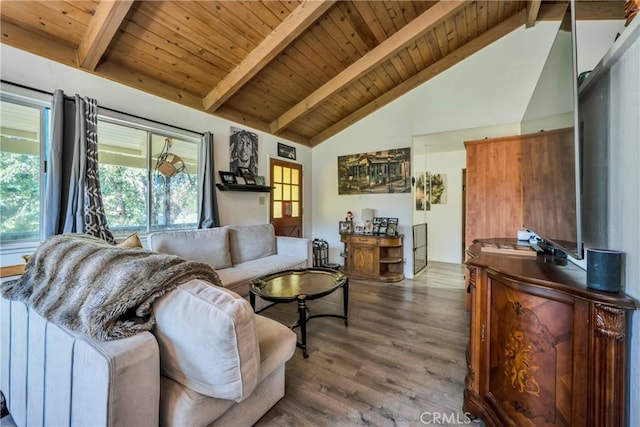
point(249, 242)
point(210, 245)
point(239, 277)
point(277, 345)
point(208, 341)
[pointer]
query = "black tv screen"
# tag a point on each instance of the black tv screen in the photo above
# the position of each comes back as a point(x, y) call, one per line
point(551, 164)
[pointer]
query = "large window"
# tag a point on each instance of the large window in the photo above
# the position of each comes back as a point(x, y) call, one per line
point(23, 135)
point(137, 195)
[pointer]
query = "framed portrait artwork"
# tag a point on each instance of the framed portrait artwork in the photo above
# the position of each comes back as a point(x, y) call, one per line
point(243, 150)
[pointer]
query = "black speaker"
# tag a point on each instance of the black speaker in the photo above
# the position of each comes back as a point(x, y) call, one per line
point(604, 270)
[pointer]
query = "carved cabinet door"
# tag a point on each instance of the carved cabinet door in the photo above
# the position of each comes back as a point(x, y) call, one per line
point(532, 347)
point(364, 258)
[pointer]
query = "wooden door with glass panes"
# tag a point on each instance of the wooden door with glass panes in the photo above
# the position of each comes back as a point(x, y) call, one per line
point(286, 198)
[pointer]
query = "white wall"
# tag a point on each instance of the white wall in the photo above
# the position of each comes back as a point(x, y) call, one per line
point(235, 207)
point(444, 243)
point(624, 189)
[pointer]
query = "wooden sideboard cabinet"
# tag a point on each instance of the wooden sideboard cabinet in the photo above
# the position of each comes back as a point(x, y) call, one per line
point(544, 349)
point(379, 258)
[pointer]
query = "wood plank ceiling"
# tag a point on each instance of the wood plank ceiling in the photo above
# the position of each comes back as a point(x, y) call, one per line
point(304, 70)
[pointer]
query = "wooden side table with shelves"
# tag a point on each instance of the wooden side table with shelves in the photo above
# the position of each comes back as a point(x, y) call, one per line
point(373, 257)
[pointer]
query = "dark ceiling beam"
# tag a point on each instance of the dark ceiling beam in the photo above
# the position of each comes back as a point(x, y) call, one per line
point(257, 123)
point(285, 33)
point(458, 55)
point(20, 38)
point(533, 7)
point(103, 26)
point(585, 10)
point(399, 40)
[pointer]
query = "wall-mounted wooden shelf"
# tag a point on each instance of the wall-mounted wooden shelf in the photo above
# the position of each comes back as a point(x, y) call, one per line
point(244, 187)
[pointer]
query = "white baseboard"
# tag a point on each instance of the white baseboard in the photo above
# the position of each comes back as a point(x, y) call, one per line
point(447, 260)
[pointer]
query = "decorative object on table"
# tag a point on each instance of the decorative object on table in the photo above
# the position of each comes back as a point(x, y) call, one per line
point(169, 164)
point(227, 177)
point(392, 229)
point(368, 226)
point(345, 227)
point(387, 171)
point(437, 188)
point(243, 150)
point(286, 151)
point(380, 226)
point(247, 175)
point(367, 214)
point(358, 229)
point(349, 216)
point(260, 180)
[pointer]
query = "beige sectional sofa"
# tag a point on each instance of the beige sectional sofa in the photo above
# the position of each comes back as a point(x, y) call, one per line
point(208, 361)
point(238, 253)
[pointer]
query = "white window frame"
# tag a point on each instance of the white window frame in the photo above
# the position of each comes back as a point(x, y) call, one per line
point(13, 250)
point(152, 128)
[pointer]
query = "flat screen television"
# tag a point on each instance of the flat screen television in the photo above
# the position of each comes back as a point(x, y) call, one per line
point(551, 164)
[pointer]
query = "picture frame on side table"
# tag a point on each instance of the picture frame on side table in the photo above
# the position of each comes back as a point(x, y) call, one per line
point(260, 180)
point(345, 227)
point(227, 177)
point(392, 229)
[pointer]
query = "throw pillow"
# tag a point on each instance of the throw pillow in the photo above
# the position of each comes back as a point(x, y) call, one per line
point(133, 241)
point(208, 340)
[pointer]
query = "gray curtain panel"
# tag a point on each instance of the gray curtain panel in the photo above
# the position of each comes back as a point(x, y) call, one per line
point(73, 199)
point(208, 215)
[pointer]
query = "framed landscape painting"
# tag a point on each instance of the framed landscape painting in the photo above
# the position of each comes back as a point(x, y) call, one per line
point(378, 172)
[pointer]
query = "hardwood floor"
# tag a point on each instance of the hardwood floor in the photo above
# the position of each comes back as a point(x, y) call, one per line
point(400, 362)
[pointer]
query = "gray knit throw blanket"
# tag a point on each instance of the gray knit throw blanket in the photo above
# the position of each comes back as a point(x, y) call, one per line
point(101, 290)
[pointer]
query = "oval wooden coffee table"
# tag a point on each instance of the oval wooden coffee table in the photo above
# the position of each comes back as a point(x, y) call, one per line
point(302, 286)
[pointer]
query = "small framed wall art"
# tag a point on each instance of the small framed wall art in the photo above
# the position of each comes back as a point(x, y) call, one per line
point(286, 151)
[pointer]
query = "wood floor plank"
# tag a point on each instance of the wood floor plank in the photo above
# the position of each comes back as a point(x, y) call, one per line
point(402, 355)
